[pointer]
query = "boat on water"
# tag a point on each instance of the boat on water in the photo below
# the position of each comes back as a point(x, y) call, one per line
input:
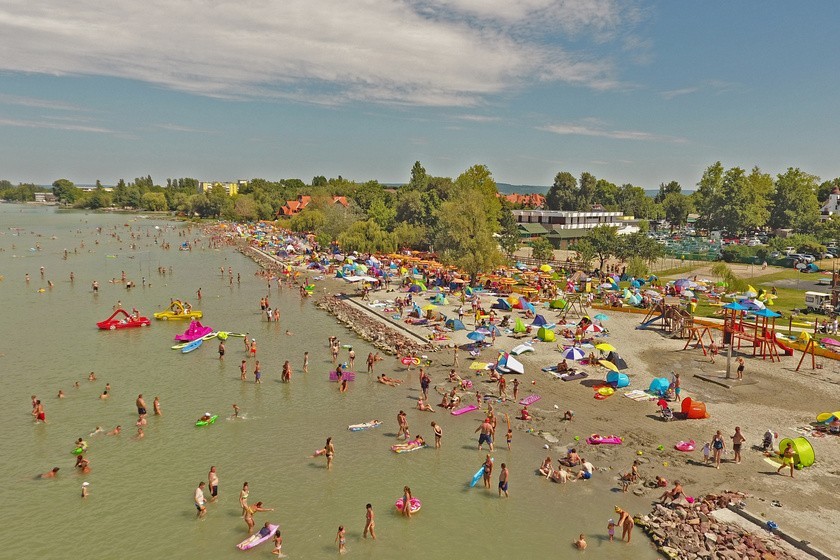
point(121, 319)
point(178, 310)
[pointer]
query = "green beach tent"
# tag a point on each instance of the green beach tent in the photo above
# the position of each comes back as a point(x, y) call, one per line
point(546, 335)
point(519, 326)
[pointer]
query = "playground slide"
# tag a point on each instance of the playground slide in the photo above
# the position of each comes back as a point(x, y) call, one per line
point(646, 324)
point(785, 348)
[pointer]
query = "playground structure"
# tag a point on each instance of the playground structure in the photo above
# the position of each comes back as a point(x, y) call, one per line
point(671, 318)
point(575, 305)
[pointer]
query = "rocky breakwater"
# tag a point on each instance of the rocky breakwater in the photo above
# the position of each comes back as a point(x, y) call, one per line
point(376, 332)
point(690, 532)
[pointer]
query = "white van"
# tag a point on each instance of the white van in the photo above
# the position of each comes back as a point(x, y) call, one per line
point(816, 301)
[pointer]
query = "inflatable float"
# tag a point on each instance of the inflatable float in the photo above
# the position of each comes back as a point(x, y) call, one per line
point(195, 331)
point(177, 311)
point(345, 375)
point(126, 322)
point(530, 399)
point(190, 346)
point(207, 422)
point(685, 446)
point(826, 417)
point(406, 447)
point(256, 539)
point(78, 451)
point(596, 439)
point(521, 349)
point(365, 426)
point(415, 505)
point(603, 392)
point(477, 476)
point(464, 410)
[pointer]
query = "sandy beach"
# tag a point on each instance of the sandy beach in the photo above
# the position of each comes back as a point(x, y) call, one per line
point(772, 395)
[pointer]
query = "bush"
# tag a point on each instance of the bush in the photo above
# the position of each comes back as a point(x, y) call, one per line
point(740, 253)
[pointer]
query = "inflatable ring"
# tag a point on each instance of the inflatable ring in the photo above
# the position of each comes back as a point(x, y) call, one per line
point(685, 446)
point(416, 504)
point(606, 391)
point(416, 361)
point(406, 361)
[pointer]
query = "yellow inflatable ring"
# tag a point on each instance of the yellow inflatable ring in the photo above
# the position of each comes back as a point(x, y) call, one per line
point(606, 391)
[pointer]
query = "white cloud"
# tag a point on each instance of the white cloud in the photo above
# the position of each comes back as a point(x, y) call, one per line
point(477, 118)
point(37, 103)
point(591, 127)
point(40, 123)
point(429, 52)
point(670, 94)
point(180, 128)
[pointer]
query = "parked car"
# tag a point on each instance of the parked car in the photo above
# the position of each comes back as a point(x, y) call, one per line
point(827, 255)
point(775, 255)
point(809, 258)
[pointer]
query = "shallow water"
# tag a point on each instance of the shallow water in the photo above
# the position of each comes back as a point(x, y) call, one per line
point(140, 505)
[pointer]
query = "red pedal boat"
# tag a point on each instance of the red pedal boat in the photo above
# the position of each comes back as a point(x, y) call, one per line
point(121, 319)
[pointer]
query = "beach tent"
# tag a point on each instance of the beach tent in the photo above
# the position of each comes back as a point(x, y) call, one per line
point(414, 288)
point(617, 360)
point(519, 326)
point(546, 335)
point(455, 325)
point(694, 410)
point(440, 299)
point(521, 303)
point(530, 307)
point(502, 304)
point(539, 321)
point(618, 379)
point(659, 385)
point(558, 304)
point(803, 451)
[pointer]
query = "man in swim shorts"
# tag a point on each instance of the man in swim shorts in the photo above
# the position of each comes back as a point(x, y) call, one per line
point(787, 459)
point(486, 435)
point(141, 406)
point(199, 499)
point(503, 480)
point(586, 469)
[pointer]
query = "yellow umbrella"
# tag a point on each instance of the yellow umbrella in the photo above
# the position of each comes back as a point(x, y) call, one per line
point(608, 364)
point(606, 347)
point(429, 307)
point(545, 268)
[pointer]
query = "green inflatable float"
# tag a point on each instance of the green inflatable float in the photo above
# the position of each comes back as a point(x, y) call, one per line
point(803, 452)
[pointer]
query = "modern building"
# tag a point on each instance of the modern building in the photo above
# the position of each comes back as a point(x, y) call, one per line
point(565, 227)
point(231, 188)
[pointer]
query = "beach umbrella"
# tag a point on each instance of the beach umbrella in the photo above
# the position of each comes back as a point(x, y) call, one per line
point(605, 346)
point(545, 268)
point(608, 364)
point(594, 329)
point(476, 336)
point(573, 353)
point(601, 317)
point(735, 306)
point(429, 307)
point(830, 342)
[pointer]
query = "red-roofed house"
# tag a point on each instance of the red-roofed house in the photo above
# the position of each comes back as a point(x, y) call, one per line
point(294, 207)
point(532, 200)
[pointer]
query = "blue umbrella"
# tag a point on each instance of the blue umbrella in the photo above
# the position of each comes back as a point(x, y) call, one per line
point(476, 336)
point(601, 317)
point(735, 306)
point(573, 353)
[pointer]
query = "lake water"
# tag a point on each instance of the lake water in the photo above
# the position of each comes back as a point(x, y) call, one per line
point(141, 492)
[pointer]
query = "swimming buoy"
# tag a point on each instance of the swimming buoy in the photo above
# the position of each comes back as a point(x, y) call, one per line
point(685, 446)
point(78, 451)
point(416, 361)
point(416, 504)
point(606, 391)
point(406, 361)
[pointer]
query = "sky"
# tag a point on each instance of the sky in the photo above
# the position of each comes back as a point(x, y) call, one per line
point(631, 91)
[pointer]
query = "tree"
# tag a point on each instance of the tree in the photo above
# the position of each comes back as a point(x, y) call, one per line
point(795, 202)
point(604, 241)
point(586, 191)
point(308, 221)
point(633, 201)
point(419, 180)
point(467, 240)
point(585, 251)
point(245, 208)
point(826, 188)
point(154, 202)
point(665, 190)
point(66, 191)
point(758, 198)
point(382, 214)
point(606, 194)
point(677, 207)
point(707, 197)
point(367, 237)
point(479, 181)
point(637, 267)
point(411, 236)
point(542, 250)
point(563, 194)
point(508, 229)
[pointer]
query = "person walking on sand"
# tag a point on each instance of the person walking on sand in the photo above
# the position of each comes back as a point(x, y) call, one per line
point(503, 480)
point(713, 350)
point(516, 389)
point(787, 459)
point(306, 362)
point(369, 523)
point(740, 371)
point(737, 440)
point(455, 356)
point(718, 447)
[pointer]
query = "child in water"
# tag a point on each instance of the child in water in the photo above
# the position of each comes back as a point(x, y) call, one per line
point(339, 538)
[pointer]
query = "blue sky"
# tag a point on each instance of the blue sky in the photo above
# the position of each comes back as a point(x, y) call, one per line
point(632, 91)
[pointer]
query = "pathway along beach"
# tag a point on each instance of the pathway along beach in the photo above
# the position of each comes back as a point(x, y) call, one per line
point(141, 491)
